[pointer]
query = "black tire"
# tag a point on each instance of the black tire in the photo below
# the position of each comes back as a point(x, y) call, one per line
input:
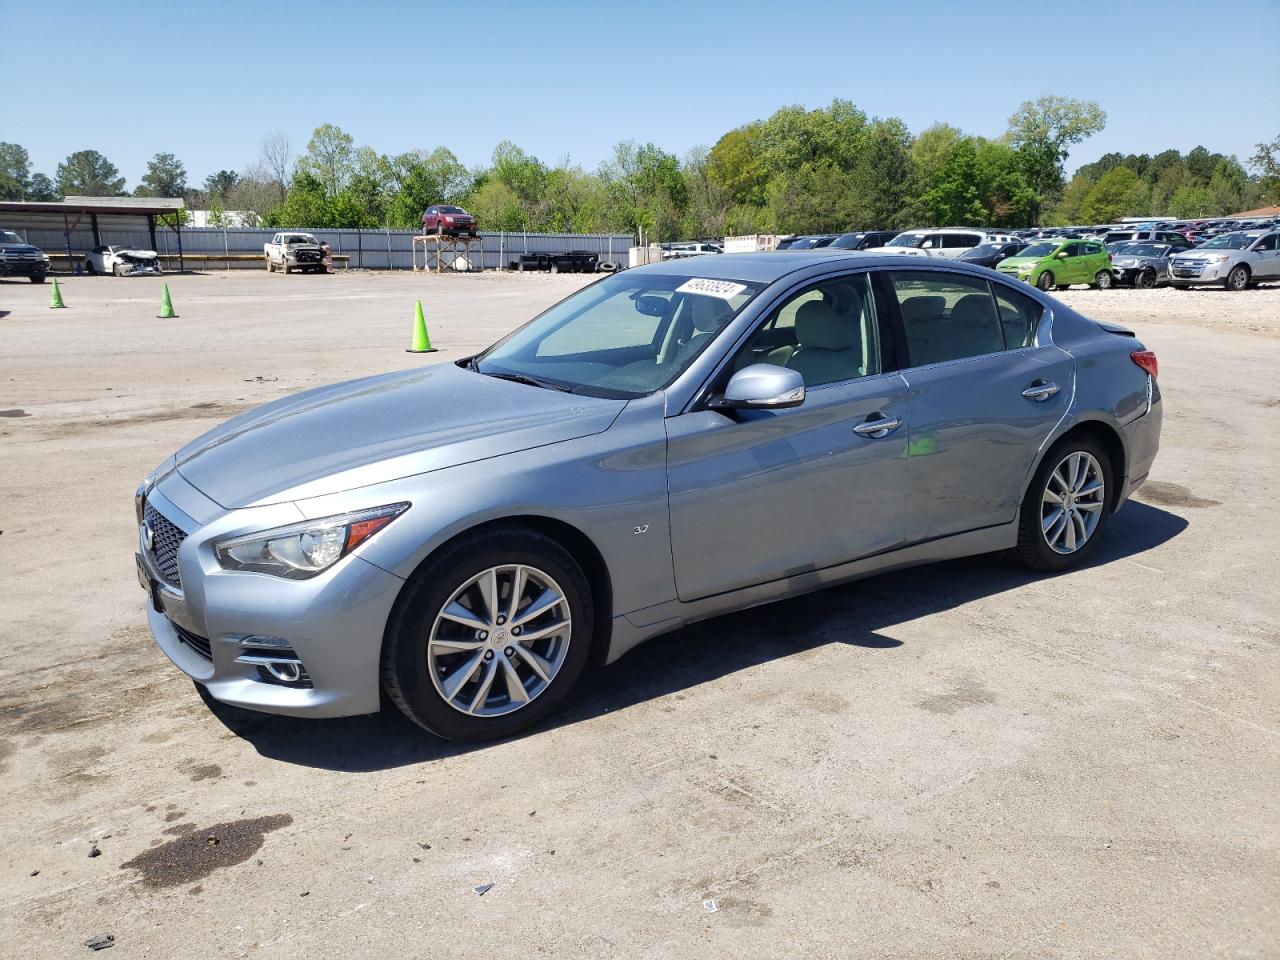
point(1102, 280)
point(1063, 286)
point(37, 278)
point(1033, 550)
point(1238, 278)
point(1146, 279)
point(89, 268)
point(404, 650)
point(1045, 281)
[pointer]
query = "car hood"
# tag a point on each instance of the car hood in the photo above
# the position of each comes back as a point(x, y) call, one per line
point(380, 428)
point(130, 252)
point(1020, 261)
point(18, 248)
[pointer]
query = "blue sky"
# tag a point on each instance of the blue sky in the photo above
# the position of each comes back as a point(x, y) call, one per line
point(571, 79)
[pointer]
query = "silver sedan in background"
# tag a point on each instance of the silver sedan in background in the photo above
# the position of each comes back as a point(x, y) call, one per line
point(668, 444)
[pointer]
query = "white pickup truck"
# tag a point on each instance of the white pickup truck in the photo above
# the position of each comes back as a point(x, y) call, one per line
point(289, 251)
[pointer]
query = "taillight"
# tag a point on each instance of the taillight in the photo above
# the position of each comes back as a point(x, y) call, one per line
point(1147, 361)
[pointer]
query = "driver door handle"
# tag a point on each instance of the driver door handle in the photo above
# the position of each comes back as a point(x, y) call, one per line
point(878, 428)
point(1041, 390)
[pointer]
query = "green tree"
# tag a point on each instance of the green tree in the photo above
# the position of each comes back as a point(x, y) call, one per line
point(736, 165)
point(1266, 163)
point(955, 197)
point(1192, 201)
point(87, 173)
point(165, 177)
point(15, 171)
point(40, 187)
point(1043, 131)
point(330, 158)
point(218, 185)
point(1227, 186)
point(305, 204)
point(881, 178)
point(1115, 196)
point(497, 207)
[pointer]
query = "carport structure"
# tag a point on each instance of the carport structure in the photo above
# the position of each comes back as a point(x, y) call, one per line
point(102, 213)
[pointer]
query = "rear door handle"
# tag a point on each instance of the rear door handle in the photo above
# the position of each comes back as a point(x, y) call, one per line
point(1041, 390)
point(875, 429)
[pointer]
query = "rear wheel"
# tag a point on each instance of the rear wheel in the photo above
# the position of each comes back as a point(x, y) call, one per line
point(1102, 280)
point(1045, 281)
point(1066, 507)
point(1238, 278)
point(1146, 279)
point(489, 636)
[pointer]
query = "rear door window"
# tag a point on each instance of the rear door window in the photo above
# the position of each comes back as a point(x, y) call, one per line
point(946, 316)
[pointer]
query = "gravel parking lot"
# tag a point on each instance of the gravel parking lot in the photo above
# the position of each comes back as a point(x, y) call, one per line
point(961, 760)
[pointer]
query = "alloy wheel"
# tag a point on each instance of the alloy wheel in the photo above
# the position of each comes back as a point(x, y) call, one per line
point(1072, 503)
point(499, 640)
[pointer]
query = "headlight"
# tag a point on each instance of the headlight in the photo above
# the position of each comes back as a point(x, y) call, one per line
point(301, 550)
point(1216, 257)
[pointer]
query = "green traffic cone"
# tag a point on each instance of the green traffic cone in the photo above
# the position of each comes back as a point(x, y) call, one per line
point(421, 342)
point(166, 306)
point(55, 299)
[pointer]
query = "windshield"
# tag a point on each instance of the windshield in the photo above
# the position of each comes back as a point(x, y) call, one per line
point(8, 236)
point(300, 238)
point(907, 240)
point(1145, 250)
point(452, 210)
point(1040, 249)
point(849, 241)
point(1229, 241)
point(623, 337)
point(983, 251)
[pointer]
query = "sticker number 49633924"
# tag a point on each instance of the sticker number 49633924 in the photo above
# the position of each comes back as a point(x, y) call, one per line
point(724, 289)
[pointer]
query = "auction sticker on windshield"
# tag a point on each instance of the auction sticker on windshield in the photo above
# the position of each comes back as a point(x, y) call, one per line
point(724, 289)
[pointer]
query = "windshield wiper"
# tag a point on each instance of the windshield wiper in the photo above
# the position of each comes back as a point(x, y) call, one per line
point(531, 381)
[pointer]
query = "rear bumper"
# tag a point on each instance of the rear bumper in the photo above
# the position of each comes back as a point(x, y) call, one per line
point(1142, 443)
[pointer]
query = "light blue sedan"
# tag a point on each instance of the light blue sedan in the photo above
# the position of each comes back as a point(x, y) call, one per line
point(668, 444)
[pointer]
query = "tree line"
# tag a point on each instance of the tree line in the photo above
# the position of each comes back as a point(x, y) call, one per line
point(797, 171)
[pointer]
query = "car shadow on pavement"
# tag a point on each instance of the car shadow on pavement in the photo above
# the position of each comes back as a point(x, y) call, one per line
point(860, 614)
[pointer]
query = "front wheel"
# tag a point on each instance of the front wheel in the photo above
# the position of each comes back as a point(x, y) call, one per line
point(1238, 279)
point(1102, 280)
point(1146, 279)
point(1066, 507)
point(1045, 281)
point(489, 636)
point(37, 278)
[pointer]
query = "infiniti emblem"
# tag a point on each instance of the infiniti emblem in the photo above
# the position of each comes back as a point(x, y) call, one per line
point(148, 536)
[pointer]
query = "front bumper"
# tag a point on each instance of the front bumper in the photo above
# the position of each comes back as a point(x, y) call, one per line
point(215, 626)
point(1198, 272)
point(23, 268)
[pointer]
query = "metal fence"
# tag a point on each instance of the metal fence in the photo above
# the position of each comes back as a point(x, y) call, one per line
point(368, 249)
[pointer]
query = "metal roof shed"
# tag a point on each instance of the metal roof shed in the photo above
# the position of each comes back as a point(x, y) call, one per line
point(108, 211)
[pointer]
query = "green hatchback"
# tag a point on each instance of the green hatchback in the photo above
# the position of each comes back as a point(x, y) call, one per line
point(1054, 264)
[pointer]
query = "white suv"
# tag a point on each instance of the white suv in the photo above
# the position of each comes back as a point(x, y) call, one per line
point(944, 242)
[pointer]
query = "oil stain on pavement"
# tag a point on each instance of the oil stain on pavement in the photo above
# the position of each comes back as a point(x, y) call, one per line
point(195, 855)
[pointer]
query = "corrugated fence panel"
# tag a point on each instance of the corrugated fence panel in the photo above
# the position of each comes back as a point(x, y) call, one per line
point(368, 249)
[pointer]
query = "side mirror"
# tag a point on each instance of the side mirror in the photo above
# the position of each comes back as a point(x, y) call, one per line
point(763, 386)
point(1062, 255)
point(651, 306)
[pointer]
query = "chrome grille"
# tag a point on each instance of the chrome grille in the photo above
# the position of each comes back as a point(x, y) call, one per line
point(167, 538)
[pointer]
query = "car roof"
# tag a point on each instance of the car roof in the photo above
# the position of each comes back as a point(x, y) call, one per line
point(767, 267)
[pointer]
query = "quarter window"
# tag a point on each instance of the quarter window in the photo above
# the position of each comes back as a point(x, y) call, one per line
point(946, 316)
point(828, 333)
point(1019, 316)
